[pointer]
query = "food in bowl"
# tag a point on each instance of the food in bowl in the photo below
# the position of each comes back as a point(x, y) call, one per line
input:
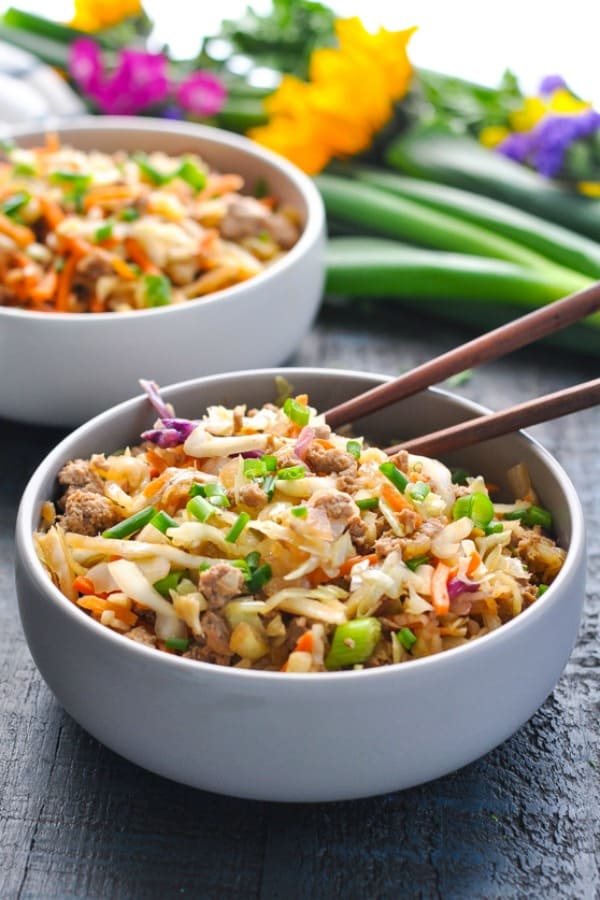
point(257, 538)
point(92, 232)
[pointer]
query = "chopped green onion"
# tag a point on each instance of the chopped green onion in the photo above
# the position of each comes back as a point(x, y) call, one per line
point(542, 588)
point(149, 172)
point(477, 506)
point(254, 468)
point(214, 491)
point(494, 528)
point(177, 643)
point(398, 479)
point(406, 637)
point(261, 188)
point(163, 521)
point(459, 476)
point(168, 583)
point(419, 491)
point(532, 515)
point(298, 413)
point(13, 204)
point(200, 508)
point(129, 214)
point(368, 503)
point(128, 526)
point(24, 169)
point(268, 485)
point(353, 642)
point(269, 462)
point(291, 473)
point(258, 578)
point(157, 290)
point(354, 448)
point(237, 527)
point(191, 174)
point(76, 180)
point(299, 511)
point(105, 231)
point(414, 563)
point(59, 263)
point(252, 560)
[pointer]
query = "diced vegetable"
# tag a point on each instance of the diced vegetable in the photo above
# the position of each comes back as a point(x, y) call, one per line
point(398, 478)
point(477, 506)
point(200, 508)
point(163, 521)
point(296, 412)
point(353, 643)
point(406, 637)
point(237, 527)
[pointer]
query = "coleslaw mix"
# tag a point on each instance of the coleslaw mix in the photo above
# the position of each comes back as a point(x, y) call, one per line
point(96, 232)
point(260, 539)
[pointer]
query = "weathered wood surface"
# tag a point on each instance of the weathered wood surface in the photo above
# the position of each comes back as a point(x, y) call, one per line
point(76, 821)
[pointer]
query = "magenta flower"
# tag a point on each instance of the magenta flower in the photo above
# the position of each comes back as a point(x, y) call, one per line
point(202, 94)
point(138, 81)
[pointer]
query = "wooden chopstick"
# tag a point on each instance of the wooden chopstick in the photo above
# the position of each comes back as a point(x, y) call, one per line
point(491, 345)
point(482, 428)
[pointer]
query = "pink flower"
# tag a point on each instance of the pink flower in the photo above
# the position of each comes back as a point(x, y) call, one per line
point(138, 81)
point(202, 93)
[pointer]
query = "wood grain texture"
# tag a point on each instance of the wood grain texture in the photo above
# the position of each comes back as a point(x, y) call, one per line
point(77, 821)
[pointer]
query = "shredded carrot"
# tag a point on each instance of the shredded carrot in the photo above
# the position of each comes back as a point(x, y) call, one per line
point(353, 560)
point(97, 305)
point(302, 399)
point(139, 256)
point(20, 234)
point(122, 269)
point(76, 246)
point(326, 445)
point(52, 142)
point(439, 588)
point(394, 498)
point(83, 585)
point(51, 211)
point(45, 288)
point(305, 643)
point(317, 577)
point(65, 282)
point(109, 193)
point(474, 562)
point(97, 605)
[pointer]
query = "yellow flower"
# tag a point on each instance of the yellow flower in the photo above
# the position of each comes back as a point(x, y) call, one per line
point(589, 188)
point(94, 15)
point(563, 101)
point(493, 135)
point(348, 98)
point(529, 115)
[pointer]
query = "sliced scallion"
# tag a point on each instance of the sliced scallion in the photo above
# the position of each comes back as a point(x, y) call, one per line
point(258, 578)
point(398, 479)
point(237, 527)
point(150, 172)
point(418, 491)
point(163, 521)
point(406, 637)
point(130, 525)
point(200, 508)
point(291, 473)
point(354, 448)
point(190, 173)
point(129, 214)
point(157, 290)
point(476, 506)
point(353, 642)
point(414, 563)
point(296, 412)
point(174, 643)
point(168, 583)
point(104, 232)
point(15, 203)
point(368, 503)
point(299, 511)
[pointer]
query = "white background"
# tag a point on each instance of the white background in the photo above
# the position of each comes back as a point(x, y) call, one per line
point(477, 39)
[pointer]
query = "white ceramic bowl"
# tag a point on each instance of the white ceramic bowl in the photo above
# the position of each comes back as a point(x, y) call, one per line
point(330, 736)
point(63, 368)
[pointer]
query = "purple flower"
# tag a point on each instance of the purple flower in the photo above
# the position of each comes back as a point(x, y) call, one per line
point(550, 84)
point(553, 135)
point(138, 81)
point(202, 93)
point(517, 146)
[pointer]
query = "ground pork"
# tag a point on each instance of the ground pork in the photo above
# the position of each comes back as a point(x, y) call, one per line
point(328, 460)
point(77, 474)
point(221, 583)
point(141, 635)
point(252, 495)
point(215, 648)
point(87, 512)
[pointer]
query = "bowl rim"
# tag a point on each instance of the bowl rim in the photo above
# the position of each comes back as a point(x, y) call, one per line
point(313, 229)
point(36, 571)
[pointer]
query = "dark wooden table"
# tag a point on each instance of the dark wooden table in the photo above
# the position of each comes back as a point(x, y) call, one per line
point(77, 821)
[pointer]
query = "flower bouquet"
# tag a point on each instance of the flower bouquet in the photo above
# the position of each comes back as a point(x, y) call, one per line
point(471, 202)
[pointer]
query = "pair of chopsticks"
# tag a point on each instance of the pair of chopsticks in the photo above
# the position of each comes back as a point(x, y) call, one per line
point(518, 333)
